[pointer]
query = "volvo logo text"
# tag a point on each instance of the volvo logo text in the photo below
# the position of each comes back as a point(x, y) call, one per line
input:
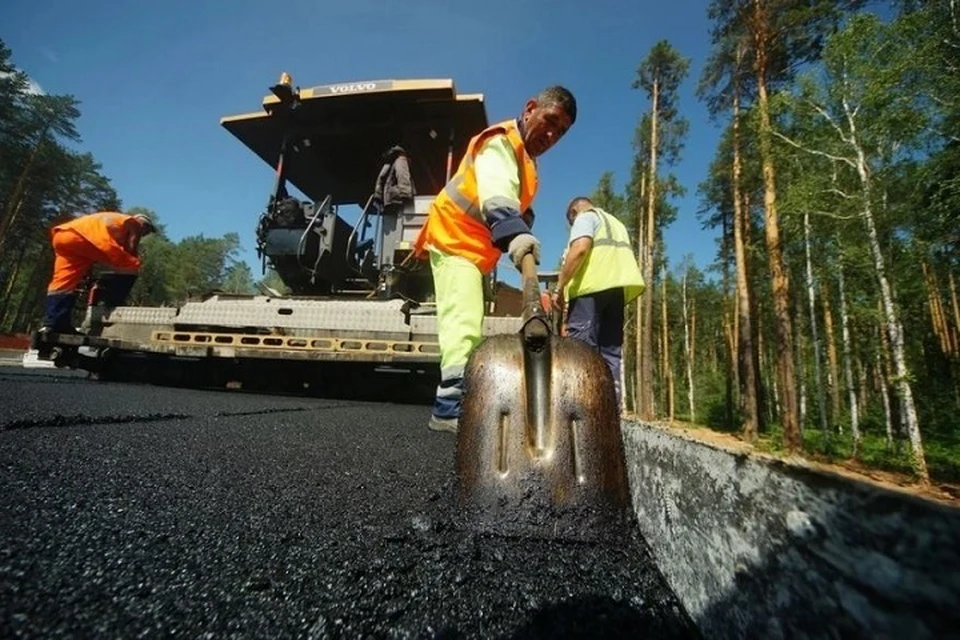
point(354, 87)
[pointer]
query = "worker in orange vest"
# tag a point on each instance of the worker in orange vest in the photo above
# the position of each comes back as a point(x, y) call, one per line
point(107, 237)
point(476, 218)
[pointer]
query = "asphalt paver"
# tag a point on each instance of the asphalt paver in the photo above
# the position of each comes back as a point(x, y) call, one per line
point(141, 511)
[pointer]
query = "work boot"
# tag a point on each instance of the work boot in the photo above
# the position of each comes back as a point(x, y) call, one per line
point(442, 424)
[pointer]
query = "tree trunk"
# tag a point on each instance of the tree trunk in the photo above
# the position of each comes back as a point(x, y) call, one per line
point(638, 345)
point(688, 354)
point(956, 337)
point(848, 364)
point(731, 381)
point(801, 376)
point(886, 378)
point(885, 397)
point(629, 367)
point(832, 360)
point(814, 335)
point(31, 296)
point(861, 373)
point(647, 410)
point(665, 342)
point(731, 376)
point(11, 281)
point(693, 347)
point(894, 330)
point(15, 201)
point(623, 385)
point(746, 354)
point(938, 318)
point(780, 283)
point(766, 372)
point(956, 313)
point(671, 394)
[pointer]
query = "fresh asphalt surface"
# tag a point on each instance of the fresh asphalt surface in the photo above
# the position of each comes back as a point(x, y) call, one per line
point(131, 510)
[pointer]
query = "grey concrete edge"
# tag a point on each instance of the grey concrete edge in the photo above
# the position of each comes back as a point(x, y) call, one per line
point(755, 545)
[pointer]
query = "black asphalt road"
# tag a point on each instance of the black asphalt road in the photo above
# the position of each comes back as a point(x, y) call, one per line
point(136, 511)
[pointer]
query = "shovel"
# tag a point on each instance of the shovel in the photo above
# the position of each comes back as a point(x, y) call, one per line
point(539, 451)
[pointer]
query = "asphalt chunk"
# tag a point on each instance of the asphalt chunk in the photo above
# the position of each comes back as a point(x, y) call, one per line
point(256, 516)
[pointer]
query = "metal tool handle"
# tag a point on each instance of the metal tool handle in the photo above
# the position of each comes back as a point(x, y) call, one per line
point(535, 324)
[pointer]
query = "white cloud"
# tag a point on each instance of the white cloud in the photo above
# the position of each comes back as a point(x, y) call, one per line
point(50, 55)
point(33, 87)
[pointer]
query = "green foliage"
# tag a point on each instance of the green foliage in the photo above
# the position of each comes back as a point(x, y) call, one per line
point(661, 73)
point(849, 87)
point(788, 34)
point(606, 197)
point(272, 282)
point(239, 279)
point(44, 180)
point(174, 272)
point(943, 456)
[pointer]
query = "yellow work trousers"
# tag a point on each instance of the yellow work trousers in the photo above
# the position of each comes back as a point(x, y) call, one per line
point(458, 284)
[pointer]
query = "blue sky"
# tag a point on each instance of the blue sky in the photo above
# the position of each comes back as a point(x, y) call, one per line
point(154, 78)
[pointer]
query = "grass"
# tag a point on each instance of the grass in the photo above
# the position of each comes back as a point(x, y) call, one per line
point(943, 457)
point(942, 450)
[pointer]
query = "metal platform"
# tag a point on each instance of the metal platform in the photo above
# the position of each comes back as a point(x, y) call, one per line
point(374, 331)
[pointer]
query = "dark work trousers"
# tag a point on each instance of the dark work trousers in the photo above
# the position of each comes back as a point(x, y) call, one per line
point(597, 319)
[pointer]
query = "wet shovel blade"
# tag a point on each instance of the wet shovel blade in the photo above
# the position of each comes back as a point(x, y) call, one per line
point(539, 449)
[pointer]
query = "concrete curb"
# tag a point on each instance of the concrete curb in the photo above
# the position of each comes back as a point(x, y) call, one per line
point(755, 546)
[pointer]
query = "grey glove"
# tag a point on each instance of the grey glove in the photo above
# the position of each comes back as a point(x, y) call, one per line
point(521, 245)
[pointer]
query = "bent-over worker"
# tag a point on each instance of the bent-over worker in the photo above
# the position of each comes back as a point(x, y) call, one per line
point(109, 238)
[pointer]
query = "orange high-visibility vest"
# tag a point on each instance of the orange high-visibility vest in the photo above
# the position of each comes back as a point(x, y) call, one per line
point(108, 232)
point(455, 223)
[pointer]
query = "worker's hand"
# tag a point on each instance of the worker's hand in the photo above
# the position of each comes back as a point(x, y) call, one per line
point(557, 301)
point(521, 245)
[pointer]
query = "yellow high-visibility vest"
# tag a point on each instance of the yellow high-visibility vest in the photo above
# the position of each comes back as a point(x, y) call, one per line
point(610, 263)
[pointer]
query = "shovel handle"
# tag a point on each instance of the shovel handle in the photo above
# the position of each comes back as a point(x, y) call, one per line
point(532, 306)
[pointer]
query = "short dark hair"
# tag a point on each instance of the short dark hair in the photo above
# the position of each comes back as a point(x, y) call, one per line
point(560, 96)
point(574, 202)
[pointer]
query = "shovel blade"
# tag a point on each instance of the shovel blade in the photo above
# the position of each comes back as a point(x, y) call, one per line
point(539, 449)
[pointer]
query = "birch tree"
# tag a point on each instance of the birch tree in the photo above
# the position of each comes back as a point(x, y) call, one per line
point(864, 104)
point(814, 334)
point(848, 362)
point(689, 323)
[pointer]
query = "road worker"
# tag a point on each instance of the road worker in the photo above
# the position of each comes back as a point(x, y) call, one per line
point(477, 217)
point(108, 238)
point(599, 276)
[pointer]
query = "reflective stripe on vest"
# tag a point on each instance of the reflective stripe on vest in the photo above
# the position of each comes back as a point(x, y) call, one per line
point(455, 223)
point(610, 263)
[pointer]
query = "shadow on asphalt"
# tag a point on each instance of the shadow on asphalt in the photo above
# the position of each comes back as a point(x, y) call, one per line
point(589, 617)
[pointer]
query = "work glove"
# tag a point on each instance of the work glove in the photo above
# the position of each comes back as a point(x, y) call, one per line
point(521, 245)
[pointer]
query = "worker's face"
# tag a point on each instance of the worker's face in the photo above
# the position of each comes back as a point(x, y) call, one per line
point(543, 127)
